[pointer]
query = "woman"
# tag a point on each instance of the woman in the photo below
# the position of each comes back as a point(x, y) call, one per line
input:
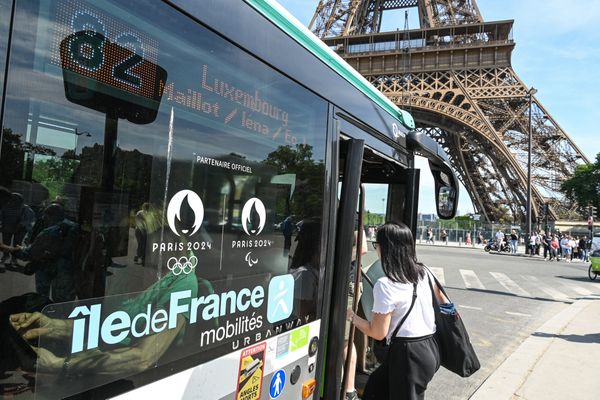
point(413, 356)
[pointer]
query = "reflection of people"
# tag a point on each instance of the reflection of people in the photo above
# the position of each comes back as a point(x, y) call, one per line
point(10, 222)
point(141, 233)
point(287, 228)
point(413, 356)
point(50, 255)
point(132, 354)
point(304, 267)
point(5, 197)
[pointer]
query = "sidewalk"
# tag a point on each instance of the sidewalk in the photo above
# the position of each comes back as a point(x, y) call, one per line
point(559, 361)
point(439, 243)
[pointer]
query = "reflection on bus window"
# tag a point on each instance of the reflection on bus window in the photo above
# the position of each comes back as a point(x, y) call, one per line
point(153, 236)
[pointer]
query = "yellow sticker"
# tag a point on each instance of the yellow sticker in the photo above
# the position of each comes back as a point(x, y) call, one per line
point(252, 362)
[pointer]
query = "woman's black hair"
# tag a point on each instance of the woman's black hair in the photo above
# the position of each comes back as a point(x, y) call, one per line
point(398, 256)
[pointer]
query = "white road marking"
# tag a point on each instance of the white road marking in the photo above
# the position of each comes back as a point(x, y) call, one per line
point(518, 314)
point(509, 284)
point(471, 308)
point(580, 290)
point(555, 294)
point(471, 280)
point(439, 274)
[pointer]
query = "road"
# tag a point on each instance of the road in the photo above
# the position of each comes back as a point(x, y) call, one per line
point(502, 299)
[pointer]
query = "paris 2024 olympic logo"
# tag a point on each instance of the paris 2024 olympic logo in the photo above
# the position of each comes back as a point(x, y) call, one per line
point(174, 211)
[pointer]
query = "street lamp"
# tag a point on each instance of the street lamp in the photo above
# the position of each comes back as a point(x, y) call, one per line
point(530, 94)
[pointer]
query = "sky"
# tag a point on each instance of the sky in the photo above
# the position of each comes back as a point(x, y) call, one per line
point(557, 52)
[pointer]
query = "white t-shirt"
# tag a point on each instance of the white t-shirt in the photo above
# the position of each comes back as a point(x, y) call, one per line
point(389, 296)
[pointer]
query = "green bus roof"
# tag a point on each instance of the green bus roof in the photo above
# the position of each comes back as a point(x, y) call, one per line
point(290, 25)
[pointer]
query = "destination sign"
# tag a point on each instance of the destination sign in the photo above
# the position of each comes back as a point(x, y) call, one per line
point(106, 65)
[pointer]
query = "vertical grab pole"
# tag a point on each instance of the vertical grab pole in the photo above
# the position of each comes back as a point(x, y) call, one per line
point(357, 276)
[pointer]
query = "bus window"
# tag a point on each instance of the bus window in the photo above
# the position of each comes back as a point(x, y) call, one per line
point(156, 242)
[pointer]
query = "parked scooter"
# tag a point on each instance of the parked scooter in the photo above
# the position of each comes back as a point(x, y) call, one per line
point(492, 245)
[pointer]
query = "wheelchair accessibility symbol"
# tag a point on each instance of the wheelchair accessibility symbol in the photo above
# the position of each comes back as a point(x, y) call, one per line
point(277, 384)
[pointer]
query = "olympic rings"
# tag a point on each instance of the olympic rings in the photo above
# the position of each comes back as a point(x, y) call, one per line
point(182, 265)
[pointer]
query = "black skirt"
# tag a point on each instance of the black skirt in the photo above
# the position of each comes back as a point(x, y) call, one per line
point(410, 366)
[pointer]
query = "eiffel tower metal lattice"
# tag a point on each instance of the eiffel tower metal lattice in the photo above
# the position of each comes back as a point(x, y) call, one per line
point(455, 76)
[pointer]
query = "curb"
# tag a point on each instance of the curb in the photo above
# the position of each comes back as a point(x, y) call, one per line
point(452, 246)
point(510, 376)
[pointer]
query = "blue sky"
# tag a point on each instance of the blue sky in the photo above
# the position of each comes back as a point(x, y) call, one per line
point(557, 52)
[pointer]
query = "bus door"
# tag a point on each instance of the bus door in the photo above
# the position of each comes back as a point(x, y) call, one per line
point(388, 190)
point(351, 155)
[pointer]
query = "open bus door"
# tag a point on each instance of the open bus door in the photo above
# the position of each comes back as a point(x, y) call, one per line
point(362, 166)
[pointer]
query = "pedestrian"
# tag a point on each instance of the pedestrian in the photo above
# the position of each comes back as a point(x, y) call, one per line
point(573, 246)
point(566, 248)
point(532, 243)
point(413, 355)
point(444, 237)
point(499, 239)
point(583, 252)
point(429, 236)
point(554, 248)
point(514, 242)
point(468, 239)
point(546, 241)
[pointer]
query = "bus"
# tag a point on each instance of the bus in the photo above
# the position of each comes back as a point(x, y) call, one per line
point(179, 183)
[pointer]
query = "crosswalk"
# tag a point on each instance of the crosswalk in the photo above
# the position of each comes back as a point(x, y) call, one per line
point(522, 285)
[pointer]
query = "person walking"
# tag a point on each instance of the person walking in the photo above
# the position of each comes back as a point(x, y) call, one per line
point(554, 248)
point(514, 242)
point(566, 248)
point(429, 236)
point(532, 243)
point(546, 242)
point(444, 237)
point(403, 293)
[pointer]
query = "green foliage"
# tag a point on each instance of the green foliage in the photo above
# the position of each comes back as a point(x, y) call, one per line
point(53, 173)
point(584, 186)
point(460, 222)
point(307, 200)
point(373, 219)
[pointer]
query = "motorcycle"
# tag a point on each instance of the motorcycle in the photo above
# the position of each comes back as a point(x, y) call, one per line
point(492, 245)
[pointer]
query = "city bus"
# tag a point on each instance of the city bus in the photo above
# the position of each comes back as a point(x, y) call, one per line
point(179, 183)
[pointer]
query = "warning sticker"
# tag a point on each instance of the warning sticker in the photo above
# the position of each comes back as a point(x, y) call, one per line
point(252, 363)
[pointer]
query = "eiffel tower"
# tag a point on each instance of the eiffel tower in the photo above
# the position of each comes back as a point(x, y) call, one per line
point(454, 75)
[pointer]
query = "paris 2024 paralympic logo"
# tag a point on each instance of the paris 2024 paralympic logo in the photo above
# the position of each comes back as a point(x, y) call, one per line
point(249, 223)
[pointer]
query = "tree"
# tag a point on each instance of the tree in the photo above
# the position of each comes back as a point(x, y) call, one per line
point(308, 195)
point(584, 186)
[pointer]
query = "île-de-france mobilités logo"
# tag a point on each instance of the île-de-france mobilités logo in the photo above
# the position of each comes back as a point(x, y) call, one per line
point(174, 211)
point(249, 217)
point(280, 303)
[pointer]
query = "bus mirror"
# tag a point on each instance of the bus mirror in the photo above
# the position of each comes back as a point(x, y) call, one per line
point(446, 201)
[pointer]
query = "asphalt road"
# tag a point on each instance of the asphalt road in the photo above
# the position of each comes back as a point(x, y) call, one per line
point(502, 299)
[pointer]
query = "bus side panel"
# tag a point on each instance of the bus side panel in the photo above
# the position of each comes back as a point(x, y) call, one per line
point(173, 186)
point(292, 352)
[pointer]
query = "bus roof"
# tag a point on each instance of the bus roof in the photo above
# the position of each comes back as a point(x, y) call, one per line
point(274, 12)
